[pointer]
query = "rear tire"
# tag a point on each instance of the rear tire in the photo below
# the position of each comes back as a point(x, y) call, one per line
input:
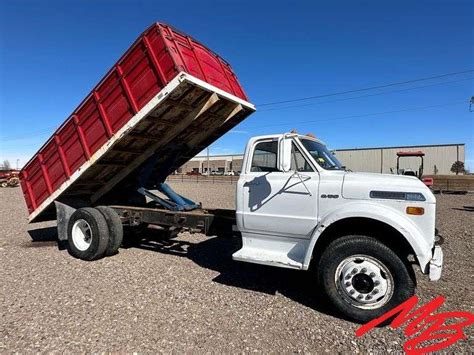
point(88, 234)
point(363, 278)
point(115, 229)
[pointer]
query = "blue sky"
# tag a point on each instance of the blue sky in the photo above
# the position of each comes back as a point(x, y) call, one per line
point(53, 53)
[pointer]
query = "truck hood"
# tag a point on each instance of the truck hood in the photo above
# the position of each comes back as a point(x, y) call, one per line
point(359, 185)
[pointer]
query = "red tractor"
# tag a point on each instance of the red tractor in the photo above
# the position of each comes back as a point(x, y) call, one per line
point(9, 178)
point(419, 174)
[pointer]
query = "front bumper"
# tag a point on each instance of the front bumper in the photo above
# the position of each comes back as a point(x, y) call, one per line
point(436, 263)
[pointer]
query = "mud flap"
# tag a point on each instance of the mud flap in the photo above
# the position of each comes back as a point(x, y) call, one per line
point(63, 213)
point(436, 264)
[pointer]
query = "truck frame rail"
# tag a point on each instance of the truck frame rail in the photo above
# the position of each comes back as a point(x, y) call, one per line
point(206, 221)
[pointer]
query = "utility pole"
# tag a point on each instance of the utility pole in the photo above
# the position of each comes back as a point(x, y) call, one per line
point(208, 171)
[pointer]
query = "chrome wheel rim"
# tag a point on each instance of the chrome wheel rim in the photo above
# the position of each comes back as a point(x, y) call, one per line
point(364, 282)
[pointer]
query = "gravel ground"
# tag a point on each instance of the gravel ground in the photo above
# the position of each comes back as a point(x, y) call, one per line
point(189, 295)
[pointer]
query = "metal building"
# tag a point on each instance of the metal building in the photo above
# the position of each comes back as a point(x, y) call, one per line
point(217, 163)
point(438, 160)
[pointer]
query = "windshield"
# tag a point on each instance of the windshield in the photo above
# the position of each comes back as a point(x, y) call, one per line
point(322, 155)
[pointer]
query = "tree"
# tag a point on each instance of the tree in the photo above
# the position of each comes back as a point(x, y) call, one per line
point(6, 165)
point(458, 167)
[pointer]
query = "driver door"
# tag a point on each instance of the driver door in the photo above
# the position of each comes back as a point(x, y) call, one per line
point(275, 202)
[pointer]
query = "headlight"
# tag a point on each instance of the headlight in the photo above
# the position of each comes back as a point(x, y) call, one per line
point(398, 195)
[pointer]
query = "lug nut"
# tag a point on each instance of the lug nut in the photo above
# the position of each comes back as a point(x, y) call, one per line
point(364, 270)
point(369, 297)
point(372, 274)
point(375, 291)
point(351, 292)
point(348, 277)
point(348, 284)
point(354, 271)
point(359, 297)
point(376, 283)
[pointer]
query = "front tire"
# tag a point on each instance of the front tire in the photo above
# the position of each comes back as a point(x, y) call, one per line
point(88, 234)
point(363, 278)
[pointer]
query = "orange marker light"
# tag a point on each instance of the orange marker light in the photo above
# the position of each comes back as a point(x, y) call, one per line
point(417, 211)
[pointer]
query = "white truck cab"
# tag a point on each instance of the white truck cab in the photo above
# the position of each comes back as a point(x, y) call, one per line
point(298, 207)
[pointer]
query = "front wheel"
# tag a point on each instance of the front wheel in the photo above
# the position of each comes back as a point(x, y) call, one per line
point(363, 278)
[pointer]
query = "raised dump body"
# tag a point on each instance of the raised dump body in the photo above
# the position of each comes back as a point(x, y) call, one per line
point(166, 99)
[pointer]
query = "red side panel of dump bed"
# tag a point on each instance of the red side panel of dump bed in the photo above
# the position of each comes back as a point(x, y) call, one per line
point(155, 58)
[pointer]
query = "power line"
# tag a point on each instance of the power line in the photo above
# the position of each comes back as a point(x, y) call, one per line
point(362, 115)
point(49, 128)
point(365, 89)
point(362, 96)
point(336, 118)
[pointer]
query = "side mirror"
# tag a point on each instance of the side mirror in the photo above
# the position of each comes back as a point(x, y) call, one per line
point(285, 154)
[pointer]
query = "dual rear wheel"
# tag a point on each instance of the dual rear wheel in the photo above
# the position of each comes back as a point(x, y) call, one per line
point(94, 233)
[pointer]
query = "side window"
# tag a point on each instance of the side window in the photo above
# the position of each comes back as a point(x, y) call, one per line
point(265, 157)
point(298, 161)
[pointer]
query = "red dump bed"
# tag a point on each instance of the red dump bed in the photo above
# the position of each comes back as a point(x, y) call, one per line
point(157, 57)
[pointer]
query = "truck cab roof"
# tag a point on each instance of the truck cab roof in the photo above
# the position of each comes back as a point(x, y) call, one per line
point(289, 134)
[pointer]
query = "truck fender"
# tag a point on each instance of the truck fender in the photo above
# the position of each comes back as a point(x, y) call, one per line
point(379, 213)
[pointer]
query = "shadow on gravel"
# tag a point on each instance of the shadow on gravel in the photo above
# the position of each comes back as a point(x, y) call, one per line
point(45, 237)
point(216, 254)
point(47, 234)
point(465, 208)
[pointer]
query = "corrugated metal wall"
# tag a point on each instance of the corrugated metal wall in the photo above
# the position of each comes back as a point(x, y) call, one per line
point(368, 160)
point(384, 160)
